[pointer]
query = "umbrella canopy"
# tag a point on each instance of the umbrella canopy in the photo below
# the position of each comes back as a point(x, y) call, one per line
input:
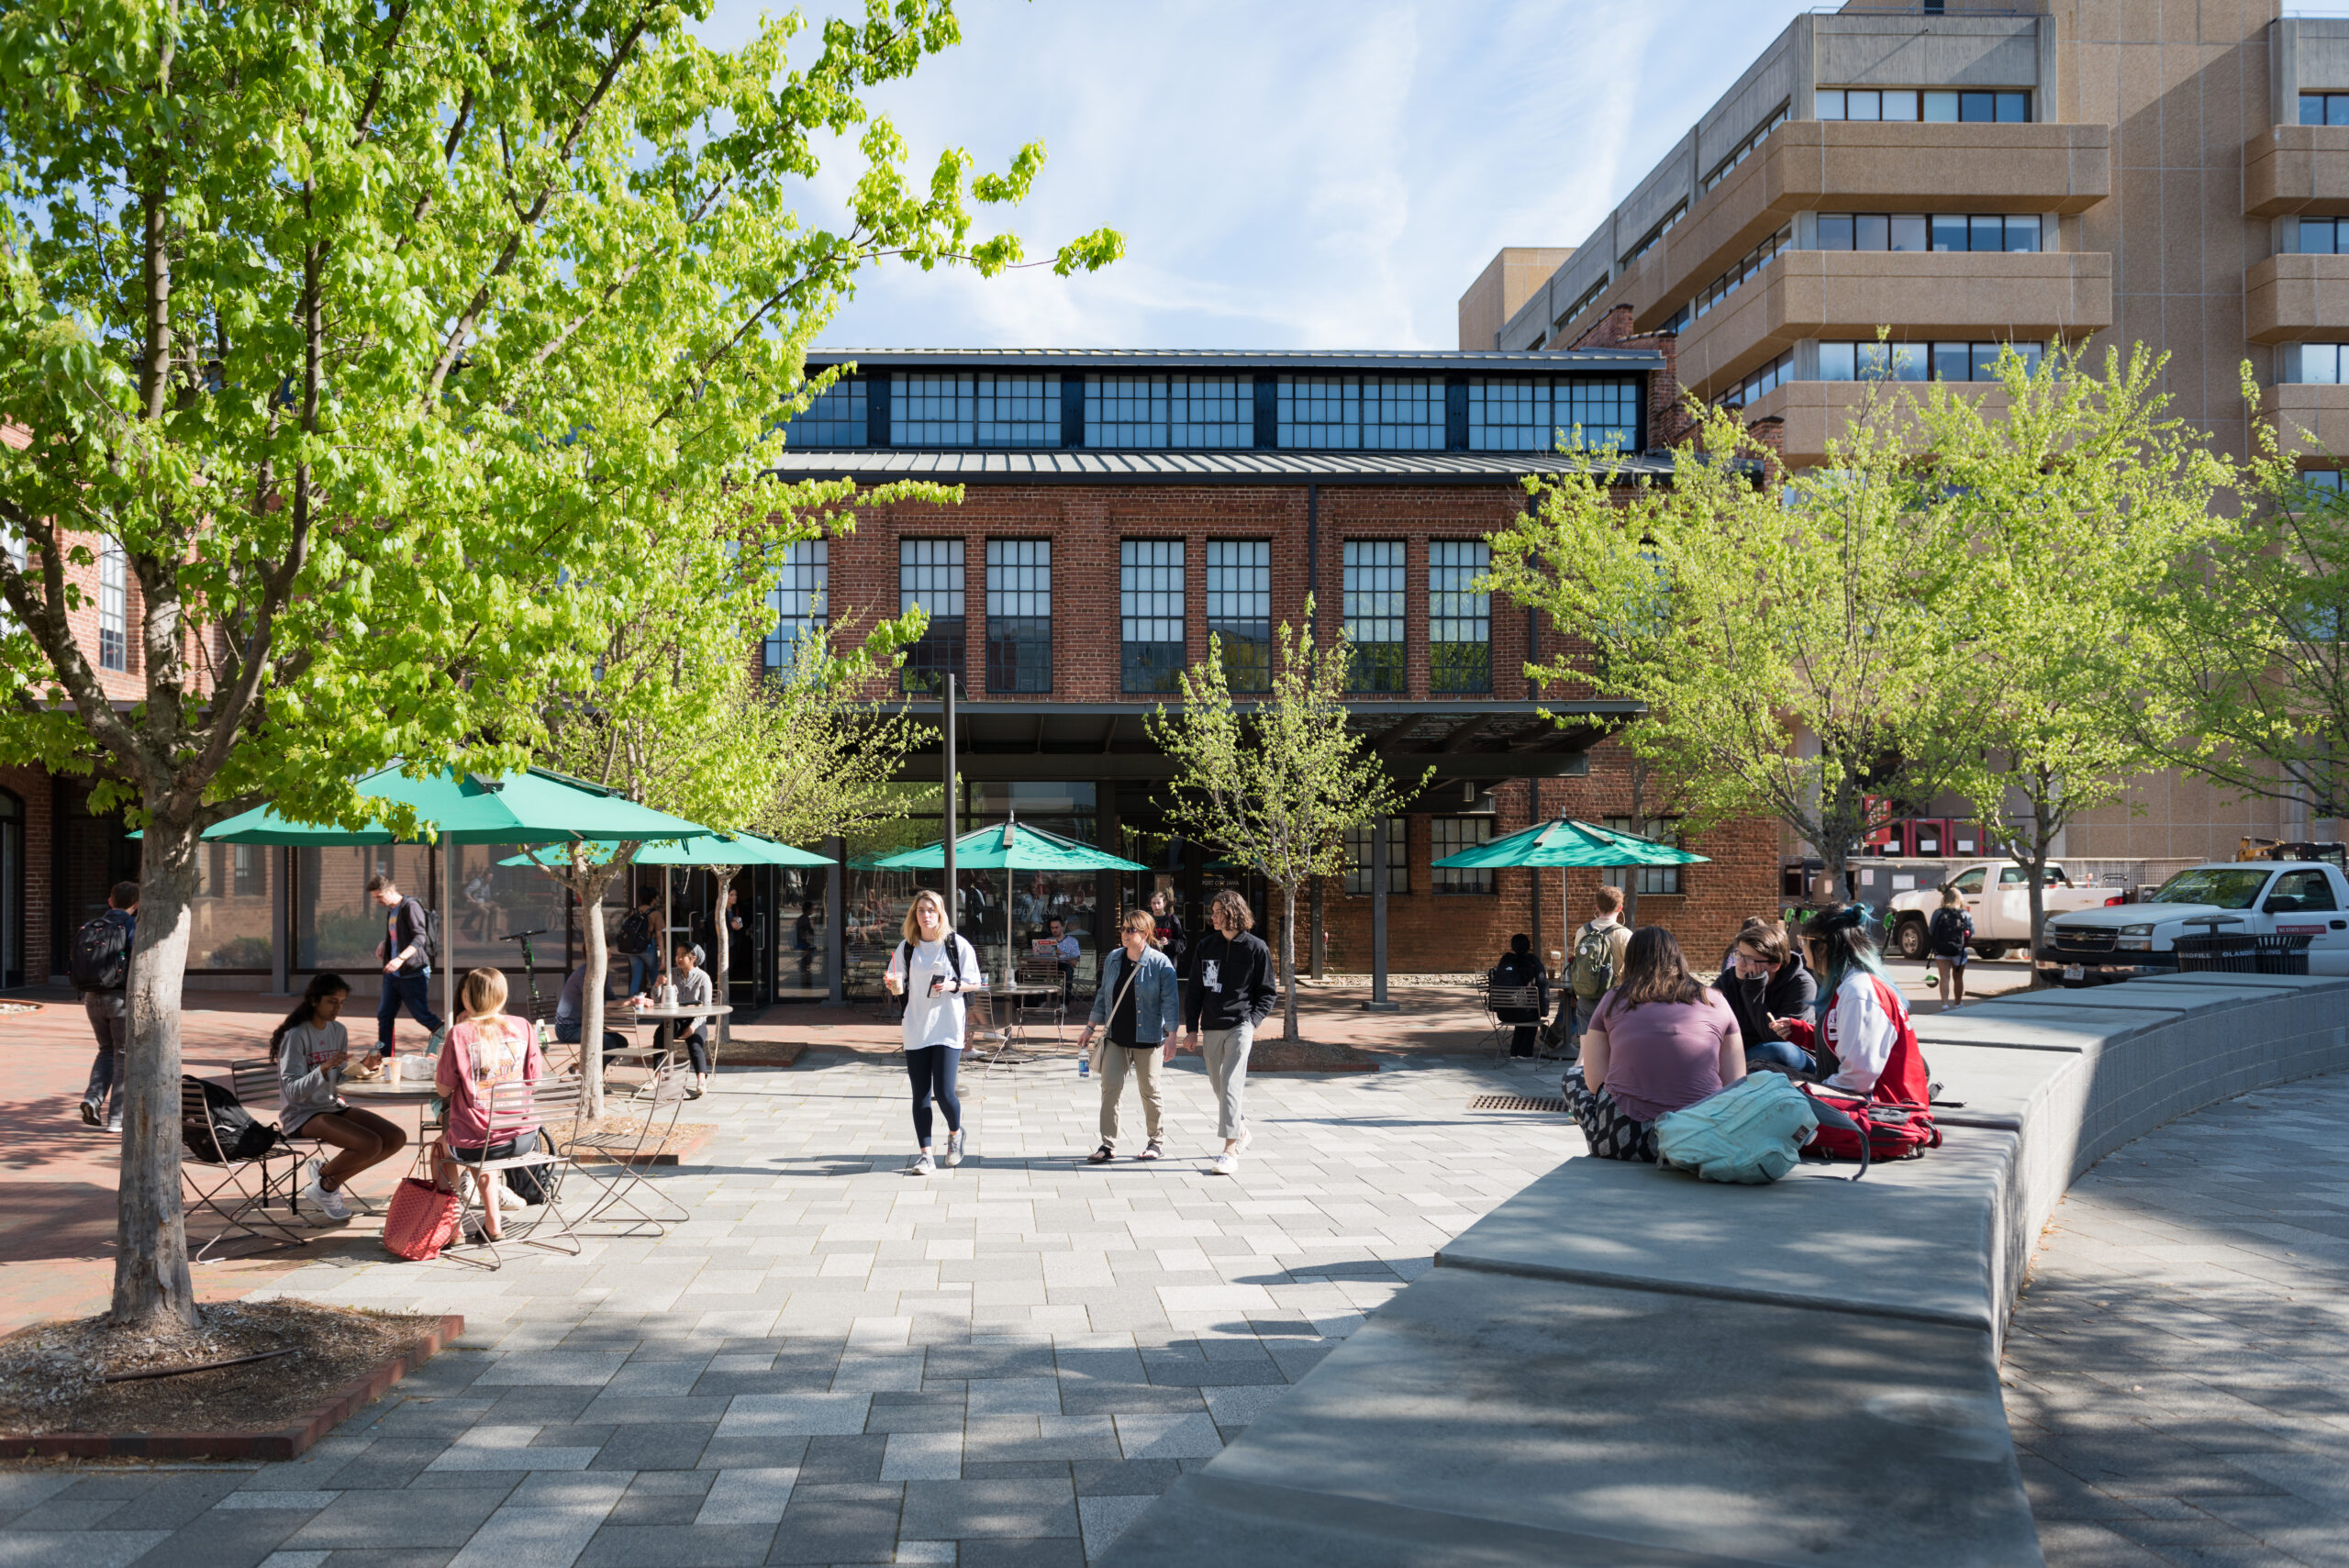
point(1009, 846)
point(1568, 842)
point(713, 849)
point(532, 806)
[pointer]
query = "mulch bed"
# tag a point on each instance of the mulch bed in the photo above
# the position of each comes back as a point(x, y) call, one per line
point(322, 1363)
point(679, 1142)
point(1308, 1056)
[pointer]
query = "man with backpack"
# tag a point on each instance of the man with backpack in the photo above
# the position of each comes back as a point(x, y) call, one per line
point(635, 941)
point(100, 966)
point(1593, 961)
point(408, 951)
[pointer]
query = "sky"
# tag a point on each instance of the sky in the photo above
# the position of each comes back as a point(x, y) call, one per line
point(1286, 173)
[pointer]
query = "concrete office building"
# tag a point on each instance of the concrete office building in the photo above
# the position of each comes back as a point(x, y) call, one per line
point(2096, 171)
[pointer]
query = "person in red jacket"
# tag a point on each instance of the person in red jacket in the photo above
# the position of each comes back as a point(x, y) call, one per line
point(1864, 1037)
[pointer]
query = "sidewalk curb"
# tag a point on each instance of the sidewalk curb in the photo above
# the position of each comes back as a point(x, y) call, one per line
point(283, 1443)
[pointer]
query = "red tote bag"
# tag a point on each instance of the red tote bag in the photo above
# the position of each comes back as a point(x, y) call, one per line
point(423, 1214)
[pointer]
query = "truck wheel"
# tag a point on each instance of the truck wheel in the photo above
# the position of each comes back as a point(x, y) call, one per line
point(1991, 951)
point(1909, 940)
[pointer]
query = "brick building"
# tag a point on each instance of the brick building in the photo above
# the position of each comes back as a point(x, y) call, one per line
point(1968, 175)
point(1121, 506)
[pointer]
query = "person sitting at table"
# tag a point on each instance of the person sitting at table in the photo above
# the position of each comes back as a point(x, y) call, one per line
point(693, 991)
point(571, 1011)
point(486, 1046)
point(1065, 952)
point(312, 1049)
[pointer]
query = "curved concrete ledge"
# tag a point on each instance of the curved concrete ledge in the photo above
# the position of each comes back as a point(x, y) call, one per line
point(1624, 1365)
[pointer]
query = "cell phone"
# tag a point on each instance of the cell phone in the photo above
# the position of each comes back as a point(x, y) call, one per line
point(937, 983)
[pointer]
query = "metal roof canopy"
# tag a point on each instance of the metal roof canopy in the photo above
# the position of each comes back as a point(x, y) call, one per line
point(1486, 739)
point(1048, 465)
point(1562, 361)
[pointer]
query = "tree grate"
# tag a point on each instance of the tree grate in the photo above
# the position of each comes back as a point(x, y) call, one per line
point(1515, 1103)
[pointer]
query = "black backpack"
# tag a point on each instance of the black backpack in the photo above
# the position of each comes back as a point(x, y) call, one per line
point(230, 1127)
point(636, 933)
point(101, 957)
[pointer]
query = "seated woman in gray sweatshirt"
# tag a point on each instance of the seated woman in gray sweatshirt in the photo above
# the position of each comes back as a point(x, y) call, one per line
point(312, 1051)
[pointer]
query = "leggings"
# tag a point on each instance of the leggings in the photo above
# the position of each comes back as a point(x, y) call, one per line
point(932, 1070)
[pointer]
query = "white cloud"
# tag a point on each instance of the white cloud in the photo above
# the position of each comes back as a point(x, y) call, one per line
point(1299, 173)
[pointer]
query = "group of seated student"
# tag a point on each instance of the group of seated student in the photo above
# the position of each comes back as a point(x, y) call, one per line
point(1662, 1040)
point(694, 990)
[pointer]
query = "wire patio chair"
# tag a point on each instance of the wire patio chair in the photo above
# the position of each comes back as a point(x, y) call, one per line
point(1046, 977)
point(641, 1209)
point(237, 1187)
point(515, 1106)
point(1501, 1001)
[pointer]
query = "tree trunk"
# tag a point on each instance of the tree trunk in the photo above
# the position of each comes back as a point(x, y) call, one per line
point(1288, 962)
point(591, 1012)
point(151, 1285)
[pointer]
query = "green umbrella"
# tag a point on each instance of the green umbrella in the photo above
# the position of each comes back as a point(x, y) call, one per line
point(534, 806)
point(1009, 847)
point(715, 849)
point(1568, 842)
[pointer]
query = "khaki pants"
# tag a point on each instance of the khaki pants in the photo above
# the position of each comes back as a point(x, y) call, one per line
point(1145, 1063)
point(1226, 1052)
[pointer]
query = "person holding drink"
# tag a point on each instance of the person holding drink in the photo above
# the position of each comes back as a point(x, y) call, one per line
point(932, 968)
point(312, 1050)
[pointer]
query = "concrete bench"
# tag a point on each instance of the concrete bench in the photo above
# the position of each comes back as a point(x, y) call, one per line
point(1624, 1365)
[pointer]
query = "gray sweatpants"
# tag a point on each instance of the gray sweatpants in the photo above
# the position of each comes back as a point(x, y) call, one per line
point(1226, 1052)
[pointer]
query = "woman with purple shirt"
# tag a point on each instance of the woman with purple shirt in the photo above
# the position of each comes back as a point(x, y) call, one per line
point(1661, 1041)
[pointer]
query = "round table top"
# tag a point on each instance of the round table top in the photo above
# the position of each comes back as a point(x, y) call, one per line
point(402, 1093)
point(712, 1010)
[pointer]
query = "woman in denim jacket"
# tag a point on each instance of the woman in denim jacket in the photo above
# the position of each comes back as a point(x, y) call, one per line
point(1141, 1017)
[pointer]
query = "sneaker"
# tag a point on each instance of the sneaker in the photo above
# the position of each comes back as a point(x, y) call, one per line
point(953, 1148)
point(114, 1127)
point(694, 1090)
point(510, 1200)
point(1224, 1165)
point(923, 1165)
point(90, 1117)
point(331, 1205)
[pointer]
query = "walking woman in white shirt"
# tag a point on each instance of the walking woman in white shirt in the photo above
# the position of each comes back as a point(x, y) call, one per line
point(931, 969)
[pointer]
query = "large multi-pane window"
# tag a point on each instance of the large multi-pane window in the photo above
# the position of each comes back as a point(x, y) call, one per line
point(1957, 232)
point(1766, 378)
point(974, 410)
point(1150, 613)
point(1459, 618)
point(1374, 590)
point(1450, 835)
point(1534, 416)
point(1649, 879)
point(929, 577)
point(113, 608)
point(1919, 361)
point(1367, 413)
point(1212, 412)
point(1362, 857)
point(1733, 278)
point(801, 599)
point(1747, 148)
point(836, 420)
point(1019, 615)
point(1929, 104)
point(2318, 236)
point(1240, 610)
point(2314, 364)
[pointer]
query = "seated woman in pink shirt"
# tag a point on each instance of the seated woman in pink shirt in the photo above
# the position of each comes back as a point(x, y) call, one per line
point(1661, 1041)
point(486, 1047)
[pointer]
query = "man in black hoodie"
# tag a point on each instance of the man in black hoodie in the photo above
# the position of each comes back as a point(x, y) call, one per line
point(1228, 992)
point(1764, 979)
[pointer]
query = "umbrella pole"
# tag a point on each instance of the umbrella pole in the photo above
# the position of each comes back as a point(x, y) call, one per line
point(448, 936)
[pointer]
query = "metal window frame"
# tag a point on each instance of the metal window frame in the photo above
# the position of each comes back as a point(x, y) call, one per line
point(1450, 883)
point(1151, 605)
point(114, 607)
point(1025, 563)
point(1354, 881)
point(1247, 624)
point(940, 649)
point(1377, 616)
point(805, 605)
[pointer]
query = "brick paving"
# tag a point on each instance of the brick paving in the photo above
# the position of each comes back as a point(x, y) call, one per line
point(2177, 1373)
point(833, 1362)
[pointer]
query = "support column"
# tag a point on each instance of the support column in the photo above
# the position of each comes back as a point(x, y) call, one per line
point(1320, 949)
point(1378, 1002)
point(952, 806)
point(836, 921)
point(280, 924)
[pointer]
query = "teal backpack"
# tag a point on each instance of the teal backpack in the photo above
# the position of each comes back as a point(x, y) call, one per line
point(1751, 1133)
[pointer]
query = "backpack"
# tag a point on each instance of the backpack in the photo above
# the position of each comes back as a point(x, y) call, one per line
point(101, 957)
point(636, 933)
point(1751, 1133)
point(1592, 969)
point(230, 1127)
point(428, 940)
point(1949, 931)
point(1897, 1121)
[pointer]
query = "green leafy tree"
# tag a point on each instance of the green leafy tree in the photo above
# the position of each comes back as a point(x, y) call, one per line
point(1275, 787)
point(2075, 502)
point(2254, 663)
point(1787, 639)
point(368, 332)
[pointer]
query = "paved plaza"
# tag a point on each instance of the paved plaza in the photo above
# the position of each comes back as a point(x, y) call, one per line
point(836, 1363)
point(2177, 1374)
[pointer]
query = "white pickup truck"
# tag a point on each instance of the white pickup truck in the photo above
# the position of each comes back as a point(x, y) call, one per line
point(1998, 895)
point(2220, 898)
